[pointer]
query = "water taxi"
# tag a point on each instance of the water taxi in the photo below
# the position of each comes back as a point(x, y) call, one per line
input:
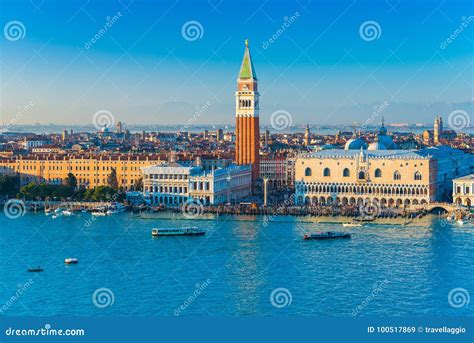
point(326, 235)
point(183, 231)
point(116, 208)
point(351, 225)
point(71, 260)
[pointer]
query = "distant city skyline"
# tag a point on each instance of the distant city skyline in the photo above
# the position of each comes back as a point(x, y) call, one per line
point(313, 60)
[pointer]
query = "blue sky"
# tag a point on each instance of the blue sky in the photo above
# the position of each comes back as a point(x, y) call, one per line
point(319, 68)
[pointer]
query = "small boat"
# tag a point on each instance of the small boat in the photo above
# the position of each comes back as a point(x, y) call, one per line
point(463, 222)
point(352, 225)
point(116, 208)
point(99, 212)
point(67, 213)
point(326, 235)
point(184, 231)
point(54, 216)
point(35, 270)
point(71, 260)
point(48, 212)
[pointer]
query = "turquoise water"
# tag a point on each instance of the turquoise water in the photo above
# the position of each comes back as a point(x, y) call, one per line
point(387, 270)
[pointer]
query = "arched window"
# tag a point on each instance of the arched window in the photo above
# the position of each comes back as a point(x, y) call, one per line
point(346, 172)
point(361, 175)
point(307, 172)
point(327, 172)
point(396, 175)
point(417, 175)
point(378, 173)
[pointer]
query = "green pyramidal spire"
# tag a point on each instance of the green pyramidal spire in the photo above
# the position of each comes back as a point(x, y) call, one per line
point(247, 70)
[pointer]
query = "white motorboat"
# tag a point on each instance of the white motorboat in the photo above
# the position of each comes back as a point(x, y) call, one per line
point(67, 213)
point(71, 260)
point(352, 225)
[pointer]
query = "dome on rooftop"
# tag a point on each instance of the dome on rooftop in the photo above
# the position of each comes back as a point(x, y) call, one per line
point(376, 146)
point(354, 144)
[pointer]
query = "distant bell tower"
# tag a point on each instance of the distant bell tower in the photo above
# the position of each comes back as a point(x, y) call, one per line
point(247, 146)
point(307, 134)
point(438, 129)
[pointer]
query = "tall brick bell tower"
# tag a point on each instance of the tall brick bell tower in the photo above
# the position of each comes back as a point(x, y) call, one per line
point(247, 146)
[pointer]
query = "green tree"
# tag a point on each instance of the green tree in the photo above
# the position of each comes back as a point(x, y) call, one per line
point(71, 181)
point(112, 179)
point(9, 185)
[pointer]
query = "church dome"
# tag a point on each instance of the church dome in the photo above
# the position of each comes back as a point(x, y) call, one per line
point(354, 144)
point(386, 141)
point(376, 146)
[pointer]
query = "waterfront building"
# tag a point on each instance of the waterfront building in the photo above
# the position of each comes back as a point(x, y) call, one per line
point(394, 178)
point(90, 171)
point(247, 147)
point(279, 170)
point(463, 190)
point(173, 184)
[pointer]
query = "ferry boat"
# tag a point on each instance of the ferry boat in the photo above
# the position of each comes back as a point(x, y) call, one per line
point(183, 231)
point(71, 260)
point(326, 235)
point(351, 225)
